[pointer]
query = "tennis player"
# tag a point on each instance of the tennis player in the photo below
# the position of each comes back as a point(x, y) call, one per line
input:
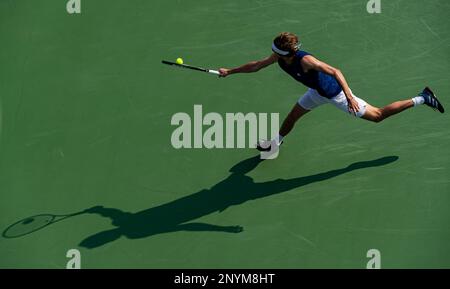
point(326, 84)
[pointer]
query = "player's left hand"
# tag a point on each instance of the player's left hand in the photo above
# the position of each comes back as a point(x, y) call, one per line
point(353, 106)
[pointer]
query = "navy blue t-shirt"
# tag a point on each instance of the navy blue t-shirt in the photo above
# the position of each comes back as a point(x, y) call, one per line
point(325, 84)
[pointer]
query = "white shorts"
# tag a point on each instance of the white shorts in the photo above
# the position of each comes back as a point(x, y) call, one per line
point(312, 99)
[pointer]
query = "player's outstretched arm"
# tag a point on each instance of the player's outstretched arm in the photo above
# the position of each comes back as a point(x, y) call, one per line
point(252, 66)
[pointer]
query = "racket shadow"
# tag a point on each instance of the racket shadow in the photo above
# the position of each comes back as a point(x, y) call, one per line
point(34, 223)
point(236, 189)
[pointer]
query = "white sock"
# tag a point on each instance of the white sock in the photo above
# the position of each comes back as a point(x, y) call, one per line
point(418, 100)
point(279, 139)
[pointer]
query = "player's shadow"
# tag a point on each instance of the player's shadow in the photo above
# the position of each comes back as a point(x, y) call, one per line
point(236, 189)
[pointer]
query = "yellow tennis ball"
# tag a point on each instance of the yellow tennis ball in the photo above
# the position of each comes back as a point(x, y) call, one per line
point(179, 60)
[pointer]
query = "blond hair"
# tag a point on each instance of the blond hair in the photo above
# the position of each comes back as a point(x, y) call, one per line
point(286, 41)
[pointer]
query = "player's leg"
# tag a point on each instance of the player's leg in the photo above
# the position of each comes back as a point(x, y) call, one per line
point(426, 97)
point(294, 115)
point(310, 100)
point(288, 124)
point(377, 114)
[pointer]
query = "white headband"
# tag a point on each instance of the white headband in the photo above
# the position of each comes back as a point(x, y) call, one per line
point(279, 51)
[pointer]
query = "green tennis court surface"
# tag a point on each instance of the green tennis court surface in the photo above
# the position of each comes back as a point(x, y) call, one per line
point(85, 111)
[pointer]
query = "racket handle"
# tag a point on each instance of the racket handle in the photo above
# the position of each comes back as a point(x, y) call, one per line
point(213, 72)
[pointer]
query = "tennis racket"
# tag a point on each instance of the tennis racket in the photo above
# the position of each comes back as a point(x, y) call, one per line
point(215, 72)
